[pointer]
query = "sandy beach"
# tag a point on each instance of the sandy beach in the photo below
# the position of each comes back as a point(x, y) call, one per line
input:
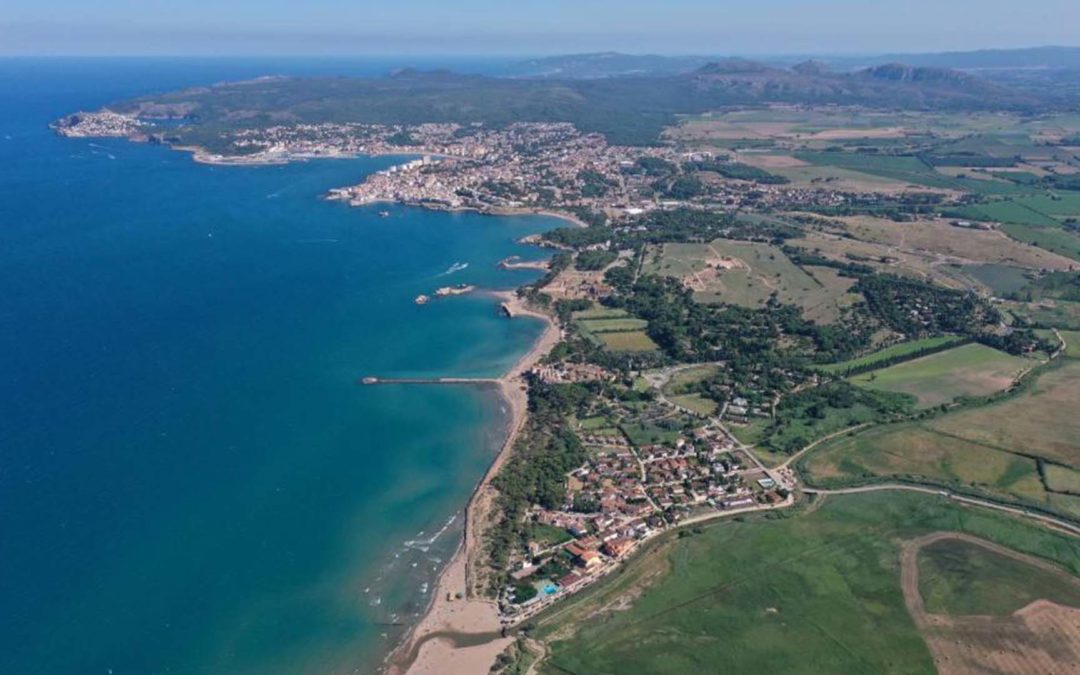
point(460, 632)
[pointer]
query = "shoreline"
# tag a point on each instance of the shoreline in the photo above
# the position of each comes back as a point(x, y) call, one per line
point(429, 646)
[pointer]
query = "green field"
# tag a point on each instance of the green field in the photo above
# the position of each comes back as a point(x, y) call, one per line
point(632, 341)
point(962, 578)
point(643, 433)
point(917, 452)
point(1060, 314)
point(689, 376)
point(601, 313)
point(547, 535)
point(1062, 479)
point(1040, 421)
point(1053, 239)
point(614, 325)
point(1068, 504)
point(1057, 204)
point(904, 169)
point(803, 418)
point(968, 370)
point(817, 592)
point(1009, 211)
point(1072, 343)
point(697, 403)
point(989, 449)
point(1000, 279)
point(898, 350)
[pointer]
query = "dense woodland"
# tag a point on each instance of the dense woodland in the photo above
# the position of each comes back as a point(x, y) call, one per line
point(536, 471)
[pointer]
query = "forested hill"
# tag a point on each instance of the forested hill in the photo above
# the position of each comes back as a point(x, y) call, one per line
point(628, 110)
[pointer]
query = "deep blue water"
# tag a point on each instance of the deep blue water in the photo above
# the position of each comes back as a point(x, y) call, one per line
point(191, 481)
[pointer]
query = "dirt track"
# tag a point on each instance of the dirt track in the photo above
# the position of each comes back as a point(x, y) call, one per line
point(1041, 638)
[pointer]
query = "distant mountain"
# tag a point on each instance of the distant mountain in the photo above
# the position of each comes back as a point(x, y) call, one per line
point(889, 85)
point(1066, 58)
point(605, 64)
point(812, 67)
point(615, 64)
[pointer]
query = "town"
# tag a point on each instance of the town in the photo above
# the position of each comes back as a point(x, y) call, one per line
point(518, 167)
point(628, 493)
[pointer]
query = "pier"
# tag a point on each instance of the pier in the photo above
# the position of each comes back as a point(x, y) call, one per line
point(428, 380)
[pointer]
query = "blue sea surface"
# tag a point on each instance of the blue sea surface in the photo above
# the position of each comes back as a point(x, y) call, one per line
point(191, 479)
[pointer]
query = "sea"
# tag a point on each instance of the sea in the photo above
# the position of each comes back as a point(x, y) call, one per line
point(192, 479)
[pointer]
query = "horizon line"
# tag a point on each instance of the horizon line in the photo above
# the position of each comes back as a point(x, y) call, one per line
point(524, 55)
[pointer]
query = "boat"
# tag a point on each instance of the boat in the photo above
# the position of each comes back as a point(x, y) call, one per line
point(384, 214)
point(421, 299)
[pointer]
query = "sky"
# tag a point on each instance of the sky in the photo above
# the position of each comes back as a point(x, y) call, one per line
point(528, 27)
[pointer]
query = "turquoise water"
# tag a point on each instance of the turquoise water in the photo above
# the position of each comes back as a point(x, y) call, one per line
point(191, 481)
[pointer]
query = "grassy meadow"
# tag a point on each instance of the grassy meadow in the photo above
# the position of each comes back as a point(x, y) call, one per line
point(969, 370)
point(896, 351)
point(1041, 421)
point(748, 273)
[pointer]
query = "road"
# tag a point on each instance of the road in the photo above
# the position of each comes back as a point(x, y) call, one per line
point(659, 379)
point(1058, 523)
point(791, 460)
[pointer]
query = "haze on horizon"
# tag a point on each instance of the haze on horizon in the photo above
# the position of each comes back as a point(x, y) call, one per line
point(479, 27)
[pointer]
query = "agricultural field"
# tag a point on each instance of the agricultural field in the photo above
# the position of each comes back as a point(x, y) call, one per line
point(809, 127)
point(940, 237)
point(614, 329)
point(1056, 313)
point(904, 169)
point(600, 313)
point(747, 273)
point(1062, 479)
point(614, 325)
point(896, 351)
point(787, 124)
point(990, 449)
point(1040, 421)
point(1058, 204)
point(987, 608)
point(804, 174)
point(1066, 503)
point(967, 371)
point(917, 451)
point(627, 341)
point(1009, 211)
point(815, 592)
point(1072, 343)
point(998, 279)
point(881, 257)
point(1053, 239)
point(962, 578)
